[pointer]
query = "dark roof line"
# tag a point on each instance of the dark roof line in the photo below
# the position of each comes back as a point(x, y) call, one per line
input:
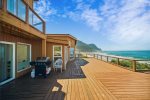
point(64, 35)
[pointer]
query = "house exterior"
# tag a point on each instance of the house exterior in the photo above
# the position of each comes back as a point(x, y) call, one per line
point(61, 46)
point(22, 38)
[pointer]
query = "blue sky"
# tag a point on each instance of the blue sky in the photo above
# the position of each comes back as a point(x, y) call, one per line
point(110, 24)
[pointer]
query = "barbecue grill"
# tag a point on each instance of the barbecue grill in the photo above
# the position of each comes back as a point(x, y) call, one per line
point(42, 66)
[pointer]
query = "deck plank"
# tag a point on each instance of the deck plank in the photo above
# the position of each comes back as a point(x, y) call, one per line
point(122, 83)
point(86, 79)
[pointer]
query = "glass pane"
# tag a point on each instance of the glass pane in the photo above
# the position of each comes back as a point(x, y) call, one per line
point(6, 62)
point(57, 51)
point(56, 58)
point(21, 10)
point(71, 52)
point(35, 21)
point(23, 56)
point(11, 6)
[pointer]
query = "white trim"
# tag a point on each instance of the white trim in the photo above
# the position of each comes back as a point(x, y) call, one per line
point(53, 52)
point(30, 46)
point(13, 61)
point(65, 56)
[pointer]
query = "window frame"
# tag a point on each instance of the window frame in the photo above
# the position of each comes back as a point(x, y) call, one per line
point(16, 15)
point(30, 48)
point(1, 6)
point(54, 49)
point(73, 53)
point(57, 56)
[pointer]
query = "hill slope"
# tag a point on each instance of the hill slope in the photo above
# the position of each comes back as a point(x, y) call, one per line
point(83, 47)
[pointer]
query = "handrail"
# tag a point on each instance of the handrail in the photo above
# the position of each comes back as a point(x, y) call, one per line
point(33, 10)
point(43, 22)
point(124, 58)
point(133, 62)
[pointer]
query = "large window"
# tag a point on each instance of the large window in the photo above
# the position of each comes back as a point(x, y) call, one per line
point(17, 7)
point(23, 56)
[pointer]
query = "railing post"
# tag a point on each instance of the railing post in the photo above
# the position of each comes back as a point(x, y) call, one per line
point(4, 5)
point(134, 65)
point(27, 14)
point(117, 61)
point(107, 58)
point(43, 27)
point(101, 57)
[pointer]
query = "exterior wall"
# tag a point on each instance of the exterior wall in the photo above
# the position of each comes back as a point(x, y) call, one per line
point(72, 41)
point(11, 19)
point(53, 39)
point(25, 33)
point(35, 45)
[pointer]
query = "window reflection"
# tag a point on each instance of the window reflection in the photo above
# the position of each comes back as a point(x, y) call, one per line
point(11, 6)
point(21, 10)
point(18, 8)
point(23, 56)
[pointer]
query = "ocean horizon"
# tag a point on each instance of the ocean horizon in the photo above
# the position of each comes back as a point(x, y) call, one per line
point(143, 54)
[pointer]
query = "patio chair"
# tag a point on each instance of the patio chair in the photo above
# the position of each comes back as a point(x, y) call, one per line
point(58, 64)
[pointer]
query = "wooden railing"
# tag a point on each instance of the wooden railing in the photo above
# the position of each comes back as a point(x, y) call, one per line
point(128, 63)
point(22, 11)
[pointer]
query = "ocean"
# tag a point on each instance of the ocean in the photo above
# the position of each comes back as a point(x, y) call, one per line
point(132, 54)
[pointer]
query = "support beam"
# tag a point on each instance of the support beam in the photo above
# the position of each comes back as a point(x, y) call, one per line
point(4, 5)
point(107, 58)
point(44, 48)
point(134, 65)
point(117, 61)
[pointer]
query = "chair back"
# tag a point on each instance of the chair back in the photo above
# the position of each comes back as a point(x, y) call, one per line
point(58, 63)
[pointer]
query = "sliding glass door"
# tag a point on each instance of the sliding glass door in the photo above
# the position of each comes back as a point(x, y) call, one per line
point(6, 62)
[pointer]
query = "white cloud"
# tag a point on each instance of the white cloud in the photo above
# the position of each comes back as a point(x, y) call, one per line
point(83, 12)
point(92, 18)
point(128, 24)
point(43, 8)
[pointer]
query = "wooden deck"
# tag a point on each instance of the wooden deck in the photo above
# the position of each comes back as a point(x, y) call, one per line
point(89, 79)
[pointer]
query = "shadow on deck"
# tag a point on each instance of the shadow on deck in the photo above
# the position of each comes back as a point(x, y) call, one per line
point(26, 88)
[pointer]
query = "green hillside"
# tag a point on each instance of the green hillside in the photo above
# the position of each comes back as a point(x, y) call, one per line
point(83, 47)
